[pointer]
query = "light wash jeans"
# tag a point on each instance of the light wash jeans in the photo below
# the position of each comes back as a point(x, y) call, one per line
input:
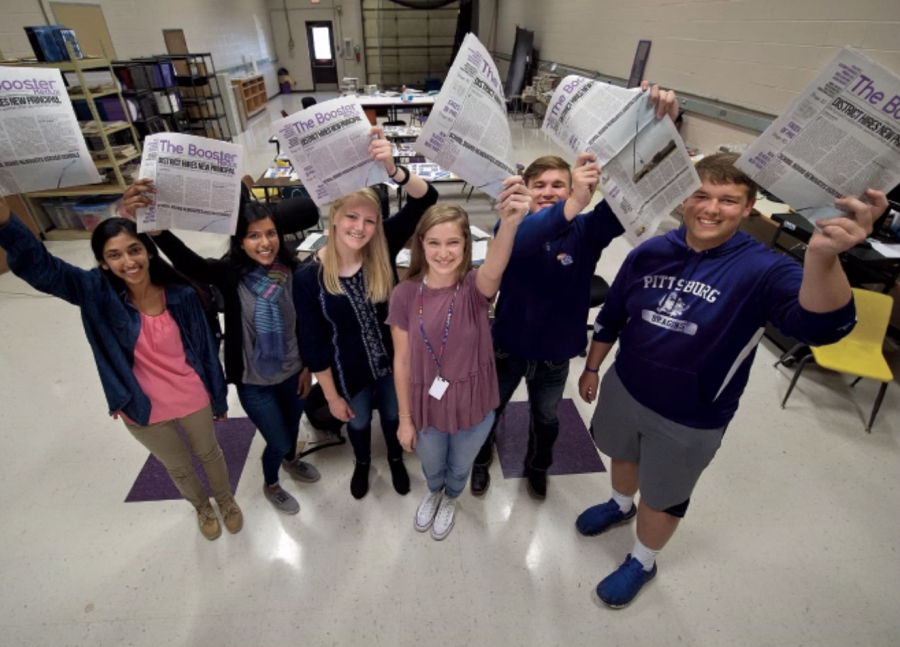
point(447, 458)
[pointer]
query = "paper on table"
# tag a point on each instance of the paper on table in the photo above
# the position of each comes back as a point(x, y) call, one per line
point(885, 249)
point(479, 251)
point(478, 234)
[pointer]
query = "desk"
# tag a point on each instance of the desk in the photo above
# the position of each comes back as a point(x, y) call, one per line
point(862, 264)
point(370, 104)
point(277, 183)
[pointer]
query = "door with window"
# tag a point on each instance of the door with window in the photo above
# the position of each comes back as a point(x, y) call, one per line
point(320, 37)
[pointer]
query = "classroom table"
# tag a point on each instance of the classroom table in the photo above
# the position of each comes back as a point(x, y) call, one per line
point(371, 104)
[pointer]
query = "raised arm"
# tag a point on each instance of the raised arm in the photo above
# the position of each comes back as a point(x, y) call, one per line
point(380, 149)
point(29, 259)
point(211, 271)
point(515, 203)
point(825, 286)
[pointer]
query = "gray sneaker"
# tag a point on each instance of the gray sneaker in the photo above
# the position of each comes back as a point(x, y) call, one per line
point(282, 500)
point(301, 471)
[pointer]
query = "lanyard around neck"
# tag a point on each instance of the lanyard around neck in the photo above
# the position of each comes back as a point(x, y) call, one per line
point(437, 358)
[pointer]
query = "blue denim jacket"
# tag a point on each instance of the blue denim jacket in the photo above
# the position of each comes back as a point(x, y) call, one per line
point(112, 324)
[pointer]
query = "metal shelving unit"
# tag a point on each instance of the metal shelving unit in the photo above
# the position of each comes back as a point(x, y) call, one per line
point(117, 184)
point(195, 75)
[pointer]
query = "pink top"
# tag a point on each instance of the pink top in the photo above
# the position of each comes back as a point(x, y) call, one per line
point(163, 371)
point(468, 360)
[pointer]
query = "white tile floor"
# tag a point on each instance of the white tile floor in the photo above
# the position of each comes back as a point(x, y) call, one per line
point(792, 537)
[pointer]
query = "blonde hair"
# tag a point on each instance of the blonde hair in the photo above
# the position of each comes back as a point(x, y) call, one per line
point(375, 260)
point(438, 215)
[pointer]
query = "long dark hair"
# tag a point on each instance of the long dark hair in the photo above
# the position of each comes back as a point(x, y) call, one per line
point(162, 273)
point(251, 211)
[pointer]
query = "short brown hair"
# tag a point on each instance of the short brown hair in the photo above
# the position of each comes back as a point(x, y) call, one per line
point(438, 215)
point(720, 169)
point(546, 163)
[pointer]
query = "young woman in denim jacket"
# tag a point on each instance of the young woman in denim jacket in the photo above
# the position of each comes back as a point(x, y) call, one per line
point(155, 353)
point(262, 356)
point(342, 294)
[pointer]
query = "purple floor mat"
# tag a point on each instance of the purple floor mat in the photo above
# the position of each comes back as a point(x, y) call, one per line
point(235, 436)
point(573, 453)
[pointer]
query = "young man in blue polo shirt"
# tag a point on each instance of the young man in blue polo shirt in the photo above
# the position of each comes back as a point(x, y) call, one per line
point(545, 297)
point(688, 310)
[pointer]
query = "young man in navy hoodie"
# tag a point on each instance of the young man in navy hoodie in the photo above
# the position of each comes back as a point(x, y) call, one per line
point(688, 310)
point(545, 297)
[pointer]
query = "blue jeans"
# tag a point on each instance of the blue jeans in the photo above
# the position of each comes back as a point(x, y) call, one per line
point(546, 382)
point(447, 458)
point(380, 395)
point(275, 410)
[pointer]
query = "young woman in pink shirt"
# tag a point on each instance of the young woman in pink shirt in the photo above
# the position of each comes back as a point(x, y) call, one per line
point(444, 369)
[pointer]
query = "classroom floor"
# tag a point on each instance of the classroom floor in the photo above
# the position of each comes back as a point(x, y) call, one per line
point(792, 537)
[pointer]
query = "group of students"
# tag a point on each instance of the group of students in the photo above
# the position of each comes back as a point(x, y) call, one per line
point(686, 308)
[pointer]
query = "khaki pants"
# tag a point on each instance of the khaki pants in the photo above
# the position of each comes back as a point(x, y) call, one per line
point(163, 441)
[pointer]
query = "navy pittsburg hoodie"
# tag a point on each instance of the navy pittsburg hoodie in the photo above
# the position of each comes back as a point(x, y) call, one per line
point(688, 322)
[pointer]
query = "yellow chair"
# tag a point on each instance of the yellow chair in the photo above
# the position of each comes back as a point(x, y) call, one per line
point(859, 353)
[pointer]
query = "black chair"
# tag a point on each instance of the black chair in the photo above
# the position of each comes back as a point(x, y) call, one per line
point(306, 102)
point(599, 290)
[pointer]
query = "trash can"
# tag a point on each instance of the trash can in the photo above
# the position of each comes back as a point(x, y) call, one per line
point(284, 80)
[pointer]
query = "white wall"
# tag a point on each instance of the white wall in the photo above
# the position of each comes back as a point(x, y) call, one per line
point(346, 25)
point(228, 29)
point(753, 53)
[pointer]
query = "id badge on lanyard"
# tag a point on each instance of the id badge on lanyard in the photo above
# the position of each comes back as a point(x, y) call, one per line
point(440, 385)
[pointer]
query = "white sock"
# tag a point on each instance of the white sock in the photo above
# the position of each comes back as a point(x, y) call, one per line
point(644, 555)
point(625, 502)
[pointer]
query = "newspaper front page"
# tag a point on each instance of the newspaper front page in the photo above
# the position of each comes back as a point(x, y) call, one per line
point(328, 145)
point(839, 137)
point(197, 180)
point(41, 146)
point(645, 168)
point(467, 131)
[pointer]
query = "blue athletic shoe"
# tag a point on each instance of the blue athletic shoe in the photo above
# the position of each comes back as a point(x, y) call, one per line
point(622, 585)
point(602, 517)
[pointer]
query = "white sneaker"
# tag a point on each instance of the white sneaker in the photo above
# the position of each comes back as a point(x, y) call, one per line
point(426, 511)
point(443, 520)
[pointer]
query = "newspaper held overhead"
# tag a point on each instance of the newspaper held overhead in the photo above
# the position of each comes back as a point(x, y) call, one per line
point(198, 186)
point(645, 168)
point(467, 131)
point(839, 137)
point(41, 146)
point(328, 145)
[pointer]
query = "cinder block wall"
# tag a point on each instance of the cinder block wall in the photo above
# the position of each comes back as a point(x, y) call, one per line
point(753, 53)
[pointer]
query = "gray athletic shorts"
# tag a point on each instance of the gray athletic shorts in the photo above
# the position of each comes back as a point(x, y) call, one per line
point(670, 456)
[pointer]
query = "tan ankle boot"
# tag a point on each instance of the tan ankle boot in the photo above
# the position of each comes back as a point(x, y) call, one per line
point(232, 515)
point(209, 522)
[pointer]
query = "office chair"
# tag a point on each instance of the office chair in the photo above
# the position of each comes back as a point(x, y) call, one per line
point(859, 353)
point(599, 290)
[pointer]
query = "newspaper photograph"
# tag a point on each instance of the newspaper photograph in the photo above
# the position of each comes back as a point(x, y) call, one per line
point(645, 169)
point(197, 181)
point(328, 145)
point(467, 131)
point(41, 146)
point(839, 137)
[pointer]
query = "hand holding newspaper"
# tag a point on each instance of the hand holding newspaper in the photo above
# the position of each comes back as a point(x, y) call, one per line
point(645, 169)
point(467, 131)
point(838, 138)
point(41, 146)
point(328, 145)
point(197, 183)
